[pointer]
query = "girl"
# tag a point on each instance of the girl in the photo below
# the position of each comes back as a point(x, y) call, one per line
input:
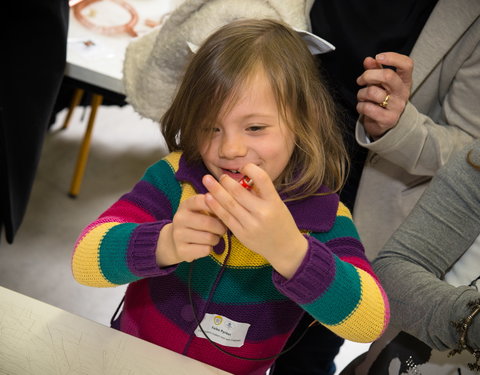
point(218, 272)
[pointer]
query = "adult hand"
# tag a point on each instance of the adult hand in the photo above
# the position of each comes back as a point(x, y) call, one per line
point(380, 82)
point(191, 235)
point(258, 218)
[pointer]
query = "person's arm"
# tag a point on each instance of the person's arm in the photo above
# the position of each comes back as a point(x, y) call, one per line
point(336, 285)
point(120, 246)
point(417, 143)
point(327, 274)
point(441, 227)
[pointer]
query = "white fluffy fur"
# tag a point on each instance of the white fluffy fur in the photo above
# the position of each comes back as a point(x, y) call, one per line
point(154, 62)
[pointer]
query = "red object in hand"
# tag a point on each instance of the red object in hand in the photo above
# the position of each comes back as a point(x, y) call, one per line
point(246, 182)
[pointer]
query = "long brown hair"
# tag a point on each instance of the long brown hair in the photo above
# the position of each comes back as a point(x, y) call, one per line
point(224, 62)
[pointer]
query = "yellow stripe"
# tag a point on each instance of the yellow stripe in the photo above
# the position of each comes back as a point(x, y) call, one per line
point(366, 323)
point(173, 159)
point(85, 262)
point(187, 191)
point(240, 255)
point(343, 211)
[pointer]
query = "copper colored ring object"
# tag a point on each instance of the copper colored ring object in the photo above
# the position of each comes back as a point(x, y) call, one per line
point(78, 6)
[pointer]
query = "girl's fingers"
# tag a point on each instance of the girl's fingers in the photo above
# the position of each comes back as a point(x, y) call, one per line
point(191, 252)
point(197, 237)
point(223, 200)
point(263, 185)
point(206, 223)
point(194, 213)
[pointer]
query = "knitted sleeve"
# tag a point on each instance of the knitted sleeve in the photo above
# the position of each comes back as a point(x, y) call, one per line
point(119, 247)
point(336, 284)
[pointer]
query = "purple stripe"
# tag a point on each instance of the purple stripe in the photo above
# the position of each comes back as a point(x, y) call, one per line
point(307, 214)
point(170, 296)
point(192, 174)
point(347, 246)
point(142, 248)
point(149, 198)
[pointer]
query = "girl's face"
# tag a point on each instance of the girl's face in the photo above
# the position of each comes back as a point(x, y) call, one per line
point(252, 131)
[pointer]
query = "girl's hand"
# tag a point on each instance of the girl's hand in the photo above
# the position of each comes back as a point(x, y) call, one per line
point(191, 235)
point(379, 83)
point(258, 218)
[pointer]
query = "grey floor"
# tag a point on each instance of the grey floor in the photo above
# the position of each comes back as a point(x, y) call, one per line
point(37, 264)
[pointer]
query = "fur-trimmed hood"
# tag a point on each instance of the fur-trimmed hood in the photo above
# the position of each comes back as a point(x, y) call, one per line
point(155, 62)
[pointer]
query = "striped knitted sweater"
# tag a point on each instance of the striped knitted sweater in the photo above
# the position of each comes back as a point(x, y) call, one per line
point(335, 283)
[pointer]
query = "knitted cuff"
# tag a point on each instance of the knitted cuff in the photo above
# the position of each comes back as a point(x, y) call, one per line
point(312, 277)
point(142, 258)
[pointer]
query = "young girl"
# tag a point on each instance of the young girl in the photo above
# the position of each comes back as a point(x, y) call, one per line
point(222, 273)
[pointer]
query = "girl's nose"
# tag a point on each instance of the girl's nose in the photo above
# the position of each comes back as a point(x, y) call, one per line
point(232, 147)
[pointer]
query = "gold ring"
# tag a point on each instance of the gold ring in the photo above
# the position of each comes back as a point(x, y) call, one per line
point(384, 104)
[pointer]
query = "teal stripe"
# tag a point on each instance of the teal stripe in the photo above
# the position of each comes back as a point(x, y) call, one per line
point(162, 176)
point(240, 286)
point(237, 286)
point(113, 254)
point(204, 272)
point(346, 284)
point(343, 227)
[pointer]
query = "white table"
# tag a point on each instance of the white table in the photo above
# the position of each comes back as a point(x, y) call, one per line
point(101, 64)
point(37, 338)
point(97, 60)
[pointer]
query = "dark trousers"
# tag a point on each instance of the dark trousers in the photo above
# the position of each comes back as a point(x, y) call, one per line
point(313, 355)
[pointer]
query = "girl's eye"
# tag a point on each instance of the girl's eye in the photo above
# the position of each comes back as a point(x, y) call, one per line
point(256, 128)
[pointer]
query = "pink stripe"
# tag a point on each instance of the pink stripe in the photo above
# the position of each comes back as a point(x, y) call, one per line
point(120, 212)
point(204, 351)
point(128, 211)
point(140, 318)
point(360, 263)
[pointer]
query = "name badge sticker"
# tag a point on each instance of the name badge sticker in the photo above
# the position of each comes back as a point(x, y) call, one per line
point(223, 331)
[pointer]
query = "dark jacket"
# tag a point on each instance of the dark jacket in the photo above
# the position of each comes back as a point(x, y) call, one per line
point(33, 39)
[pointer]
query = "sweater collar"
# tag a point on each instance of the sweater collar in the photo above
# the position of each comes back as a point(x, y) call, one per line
point(315, 213)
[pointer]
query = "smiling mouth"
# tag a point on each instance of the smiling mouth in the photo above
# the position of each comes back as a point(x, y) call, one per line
point(233, 173)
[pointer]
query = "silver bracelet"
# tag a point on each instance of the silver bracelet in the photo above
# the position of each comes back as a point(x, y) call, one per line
point(462, 326)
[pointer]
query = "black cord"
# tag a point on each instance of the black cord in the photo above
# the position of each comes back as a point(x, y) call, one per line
point(474, 283)
point(223, 350)
point(114, 316)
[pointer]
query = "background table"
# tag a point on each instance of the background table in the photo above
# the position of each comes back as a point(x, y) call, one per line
point(95, 62)
point(101, 64)
point(37, 338)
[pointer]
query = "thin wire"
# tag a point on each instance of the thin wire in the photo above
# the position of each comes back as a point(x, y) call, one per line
point(225, 351)
point(114, 316)
point(474, 283)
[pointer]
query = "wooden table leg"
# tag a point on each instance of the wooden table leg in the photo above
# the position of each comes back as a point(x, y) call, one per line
point(76, 98)
point(85, 147)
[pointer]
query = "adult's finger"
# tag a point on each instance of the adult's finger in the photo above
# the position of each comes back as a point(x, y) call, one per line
point(402, 63)
point(371, 63)
point(386, 78)
point(375, 94)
